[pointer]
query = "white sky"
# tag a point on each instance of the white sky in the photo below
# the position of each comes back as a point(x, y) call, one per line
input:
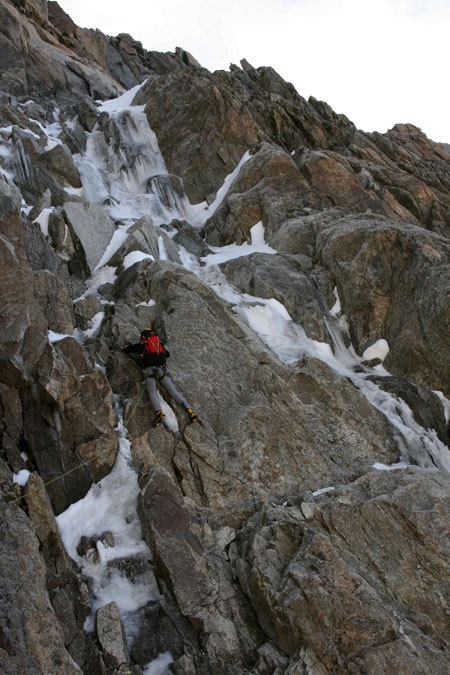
point(377, 61)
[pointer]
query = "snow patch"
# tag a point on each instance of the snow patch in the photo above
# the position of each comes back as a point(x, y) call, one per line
point(391, 467)
point(323, 491)
point(122, 102)
point(42, 220)
point(56, 337)
point(21, 478)
point(95, 324)
point(158, 666)
point(105, 275)
point(336, 309)
point(134, 257)
point(233, 251)
point(379, 350)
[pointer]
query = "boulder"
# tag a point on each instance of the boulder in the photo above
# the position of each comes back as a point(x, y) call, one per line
point(87, 114)
point(330, 176)
point(189, 238)
point(191, 578)
point(144, 238)
point(112, 639)
point(178, 554)
point(11, 115)
point(91, 227)
point(59, 161)
point(61, 240)
point(67, 415)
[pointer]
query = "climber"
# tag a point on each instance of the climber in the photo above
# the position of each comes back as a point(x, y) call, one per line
point(153, 357)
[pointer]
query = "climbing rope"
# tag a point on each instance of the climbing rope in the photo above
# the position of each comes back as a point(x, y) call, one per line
point(53, 480)
point(84, 463)
point(134, 408)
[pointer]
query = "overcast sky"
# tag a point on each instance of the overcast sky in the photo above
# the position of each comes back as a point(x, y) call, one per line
point(377, 61)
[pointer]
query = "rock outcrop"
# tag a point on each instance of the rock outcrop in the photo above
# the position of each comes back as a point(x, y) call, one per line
point(220, 116)
point(44, 54)
point(334, 576)
point(270, 537)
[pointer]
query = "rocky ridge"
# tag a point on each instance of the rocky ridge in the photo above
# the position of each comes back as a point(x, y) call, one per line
point(258, 570)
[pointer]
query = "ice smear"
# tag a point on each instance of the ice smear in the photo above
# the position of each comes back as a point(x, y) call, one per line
point(77, 192)
point(162, 249)
point(445, 403)
point(119, 237)
point(270, 320)
point(56, 337)
point(5, 150)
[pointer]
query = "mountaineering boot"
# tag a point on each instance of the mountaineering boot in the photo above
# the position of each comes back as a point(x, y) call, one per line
point(160, 416)
point(192, 415)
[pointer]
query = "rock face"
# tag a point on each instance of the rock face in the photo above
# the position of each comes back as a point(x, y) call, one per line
point(398, 263)
point(312, 574)
point(275, 537)
point(337, 165)
point(66, 62)
point(395, 261)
